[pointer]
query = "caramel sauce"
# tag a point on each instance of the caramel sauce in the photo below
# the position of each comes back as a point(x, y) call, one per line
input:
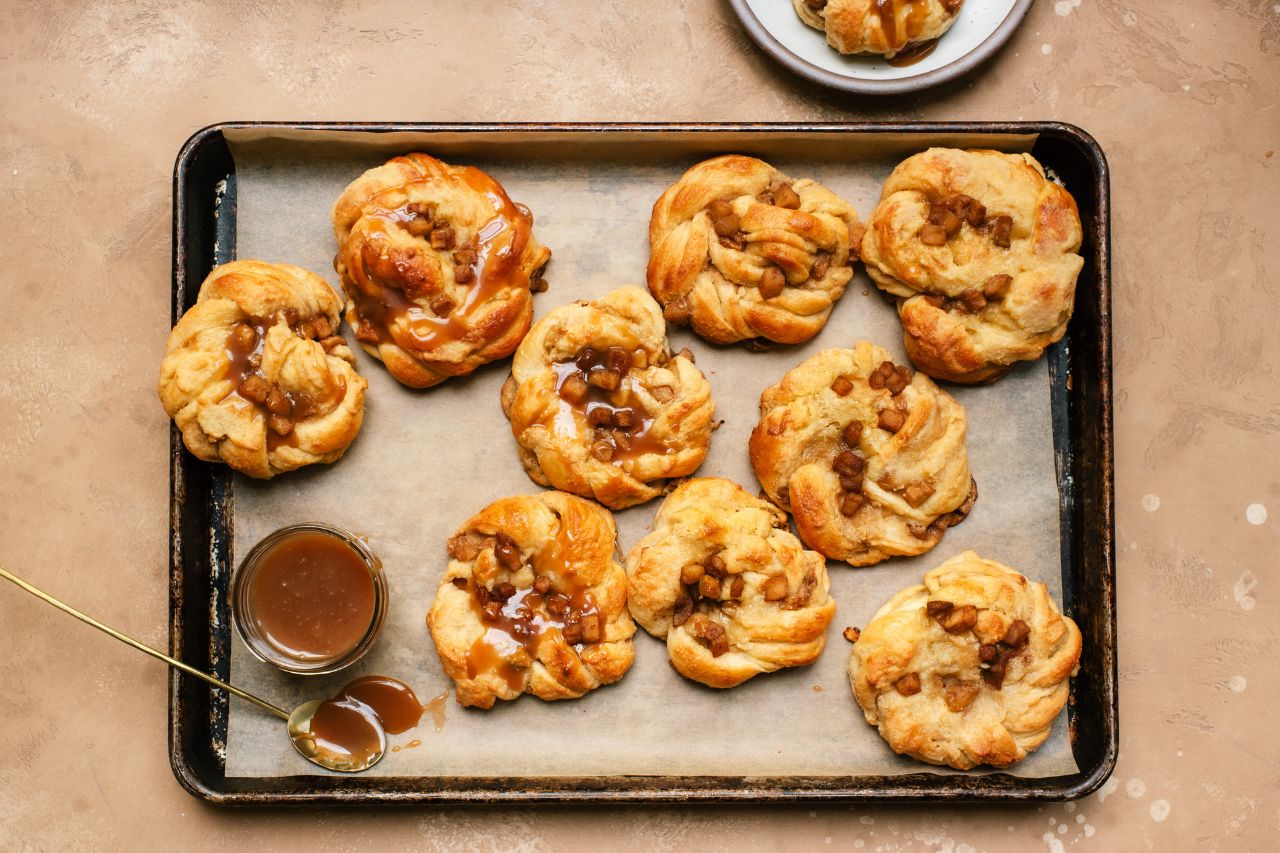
point(393, 701)
point(244, 356)
point(312, 597)
point(347, 725)
point(627, 443)
point(910, 14)
point(436, 708)
point(413, 744)
point(244, 347)
point(348, 728)
point(527, 617)
point(483, 657)
point(499, 244)
point(913, 54)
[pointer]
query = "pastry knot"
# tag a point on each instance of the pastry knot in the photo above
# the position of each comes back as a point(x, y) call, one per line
point(439, 265)
point(600, 407)
point(981, 250)
point(886, 27)
point(969, 668)
point(256, 375)
point(868, 455)
point(727, 585)
point(533, 601)
point(740, 251)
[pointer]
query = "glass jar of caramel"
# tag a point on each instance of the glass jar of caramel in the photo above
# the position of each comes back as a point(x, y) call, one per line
point(309, 598)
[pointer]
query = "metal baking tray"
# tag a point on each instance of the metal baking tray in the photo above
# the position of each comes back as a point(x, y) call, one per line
point(201, 494)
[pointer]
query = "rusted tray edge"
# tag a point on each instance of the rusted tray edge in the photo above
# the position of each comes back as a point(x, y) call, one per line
point(202, 533)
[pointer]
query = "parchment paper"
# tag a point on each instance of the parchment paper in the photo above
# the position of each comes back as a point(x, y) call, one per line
point(427, 460)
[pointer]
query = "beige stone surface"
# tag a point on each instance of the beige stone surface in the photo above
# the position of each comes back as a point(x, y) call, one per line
point(96, 98)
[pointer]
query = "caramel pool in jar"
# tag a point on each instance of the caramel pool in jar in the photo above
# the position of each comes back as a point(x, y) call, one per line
point(309, 598)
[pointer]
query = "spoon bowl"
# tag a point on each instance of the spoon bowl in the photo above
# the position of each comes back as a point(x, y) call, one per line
point(314, 725)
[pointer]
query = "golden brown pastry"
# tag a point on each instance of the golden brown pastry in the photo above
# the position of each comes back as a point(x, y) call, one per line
point(887, 27)
point(256, 375)
point(739, 251)
point(439, 265)
point(970, 668)
point(981, 251)
point(724, 582)
point(869, 458)
point(598, 405)
point(533, 601)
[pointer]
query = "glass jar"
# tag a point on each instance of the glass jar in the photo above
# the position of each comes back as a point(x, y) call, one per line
point(309, 599)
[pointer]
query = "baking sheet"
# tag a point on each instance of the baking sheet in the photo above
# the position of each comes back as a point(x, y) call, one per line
point(427, 460)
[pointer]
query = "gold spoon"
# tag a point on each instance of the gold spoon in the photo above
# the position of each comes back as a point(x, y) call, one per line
point(299, 722)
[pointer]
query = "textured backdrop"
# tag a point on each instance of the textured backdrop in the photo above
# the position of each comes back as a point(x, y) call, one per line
point(96, 98)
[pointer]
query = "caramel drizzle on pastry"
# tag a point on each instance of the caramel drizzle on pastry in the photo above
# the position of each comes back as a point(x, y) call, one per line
point(517, 620)
point(594, 387)
point(911, 14)
point(486, 265)
point(282, 408)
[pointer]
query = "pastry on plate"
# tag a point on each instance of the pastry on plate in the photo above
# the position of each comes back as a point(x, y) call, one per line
point(439, 265)
point(867, 455)
point(970, 668)
point(533, 601)
point(256, 375)
point(981, 251)
point(598, 405)
point(725, 583)
point(738, 250)
point(886, 27)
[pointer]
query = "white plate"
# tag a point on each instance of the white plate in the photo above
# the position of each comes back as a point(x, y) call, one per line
point(981, 28)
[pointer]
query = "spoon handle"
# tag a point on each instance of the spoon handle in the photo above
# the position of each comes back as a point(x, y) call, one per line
point(173, 662)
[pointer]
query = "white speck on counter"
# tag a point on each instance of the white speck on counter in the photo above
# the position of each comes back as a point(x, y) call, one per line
point(1088, 830)
point(1051, 842)
point(1069, 807)
point(1150, 503)
point(1135, 788)
point(1236, 684)
point(1064, 7)
point(1256, 514)
point(1243, 591)
point(1046, 48)
point(1108, 788)
point(1159, 810)
point(1079, 818)
point(1062, 829)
